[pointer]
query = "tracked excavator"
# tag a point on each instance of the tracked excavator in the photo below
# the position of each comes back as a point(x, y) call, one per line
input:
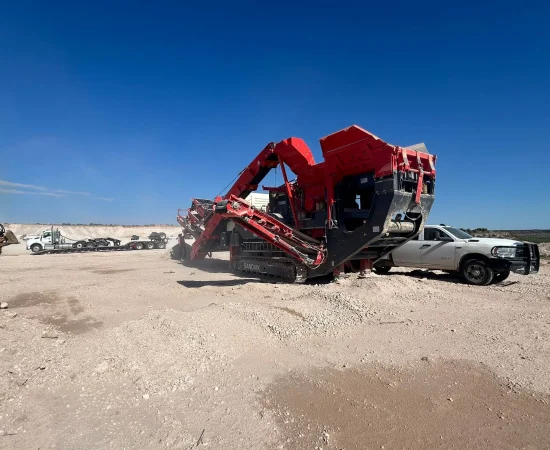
point(6, 238)
point(363, 201)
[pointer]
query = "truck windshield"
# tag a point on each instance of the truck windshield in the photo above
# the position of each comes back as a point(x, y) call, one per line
point(458, 233)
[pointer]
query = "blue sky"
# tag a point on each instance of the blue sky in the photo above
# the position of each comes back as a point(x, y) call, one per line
point(120, 112)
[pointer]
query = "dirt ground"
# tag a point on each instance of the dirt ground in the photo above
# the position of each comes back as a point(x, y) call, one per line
point(135, 350)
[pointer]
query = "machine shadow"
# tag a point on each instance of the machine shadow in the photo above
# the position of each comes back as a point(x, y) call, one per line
point(324, 279)
point(175, 253)
point(210, 265)
point(213, 265)
point(216, 283)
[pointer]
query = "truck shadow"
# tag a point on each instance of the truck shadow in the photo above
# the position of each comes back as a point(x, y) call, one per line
point(445, 277)
point(429, 275)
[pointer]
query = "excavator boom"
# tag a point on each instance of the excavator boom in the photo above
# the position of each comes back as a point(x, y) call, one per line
point(6, 238)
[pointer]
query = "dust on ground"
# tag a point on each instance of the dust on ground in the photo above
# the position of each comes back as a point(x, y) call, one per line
point(432, 405)
point(136, 350)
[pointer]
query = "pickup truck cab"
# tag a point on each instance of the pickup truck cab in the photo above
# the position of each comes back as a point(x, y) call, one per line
point(479, 261)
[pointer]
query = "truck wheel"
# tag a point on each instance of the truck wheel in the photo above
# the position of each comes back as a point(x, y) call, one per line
point(36, 248)
point(477, 273)
point(150, 245)
point(138, 246)
point(381, 270)
point(501, 276)
point(162, 235)
point(80, 244)
point(161, 244)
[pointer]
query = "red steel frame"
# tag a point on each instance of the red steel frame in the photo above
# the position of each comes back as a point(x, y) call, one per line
point(274, 231)
point(349, 151)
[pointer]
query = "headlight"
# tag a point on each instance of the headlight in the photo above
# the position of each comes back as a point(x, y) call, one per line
point(504, 252)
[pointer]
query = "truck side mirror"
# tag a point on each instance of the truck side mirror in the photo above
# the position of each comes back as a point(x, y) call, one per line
point(446, 238)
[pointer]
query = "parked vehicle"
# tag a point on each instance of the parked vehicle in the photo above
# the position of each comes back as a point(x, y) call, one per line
point(478, 261)
point(51, 240)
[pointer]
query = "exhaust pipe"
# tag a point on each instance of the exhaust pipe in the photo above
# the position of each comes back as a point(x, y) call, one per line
point(400, 227)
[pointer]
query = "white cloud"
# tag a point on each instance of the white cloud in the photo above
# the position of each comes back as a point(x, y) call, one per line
point(42, 190)
point(18, 192)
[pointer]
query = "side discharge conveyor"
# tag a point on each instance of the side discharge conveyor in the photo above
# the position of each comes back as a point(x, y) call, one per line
point(364, 200)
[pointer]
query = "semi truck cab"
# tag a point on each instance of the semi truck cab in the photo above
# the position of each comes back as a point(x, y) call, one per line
point(48, 239)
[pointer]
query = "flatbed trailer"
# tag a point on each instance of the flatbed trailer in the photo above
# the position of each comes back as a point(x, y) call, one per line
point(51, 241)
point(133, 245)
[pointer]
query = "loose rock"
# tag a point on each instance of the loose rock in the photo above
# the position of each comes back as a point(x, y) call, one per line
point(49, 334)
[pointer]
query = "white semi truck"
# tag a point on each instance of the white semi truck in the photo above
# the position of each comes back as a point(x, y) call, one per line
point(51, 240)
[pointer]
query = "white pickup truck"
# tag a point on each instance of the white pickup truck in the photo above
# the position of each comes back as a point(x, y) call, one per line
point(479, 261)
